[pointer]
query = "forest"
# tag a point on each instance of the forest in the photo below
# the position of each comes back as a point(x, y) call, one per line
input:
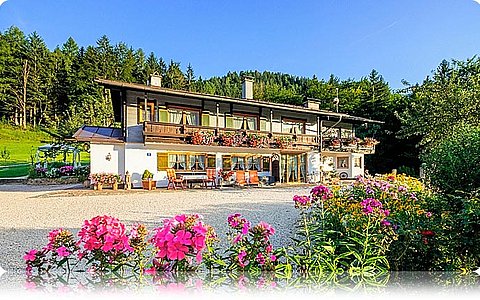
point(55, 90)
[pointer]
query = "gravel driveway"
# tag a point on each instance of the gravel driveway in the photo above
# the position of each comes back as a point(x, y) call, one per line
point(28, 213)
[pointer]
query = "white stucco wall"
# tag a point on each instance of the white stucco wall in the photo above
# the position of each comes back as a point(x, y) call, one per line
point(99, 162)
point(138, 158)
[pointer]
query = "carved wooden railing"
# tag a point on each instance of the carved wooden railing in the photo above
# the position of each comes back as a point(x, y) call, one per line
point(180, 133)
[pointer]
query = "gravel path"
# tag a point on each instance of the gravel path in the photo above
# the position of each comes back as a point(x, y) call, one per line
point(28, 213)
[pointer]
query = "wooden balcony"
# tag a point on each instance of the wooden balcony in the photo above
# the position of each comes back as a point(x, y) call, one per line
point(200, 135)
point(210, 136)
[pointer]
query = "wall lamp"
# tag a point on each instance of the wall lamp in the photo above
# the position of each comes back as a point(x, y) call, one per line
point(108, 156)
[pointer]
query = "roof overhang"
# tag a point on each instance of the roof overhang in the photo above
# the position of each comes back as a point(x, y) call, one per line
point(326, 115)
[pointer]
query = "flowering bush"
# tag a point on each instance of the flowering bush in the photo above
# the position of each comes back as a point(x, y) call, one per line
point(66, 171)
point(384, 222)
point(104, 240)
point(250, 247)
point(181, 239)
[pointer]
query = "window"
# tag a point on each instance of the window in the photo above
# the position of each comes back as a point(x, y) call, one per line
point(245, 122)
point(342, 162)
point(357, 162)
point(177, 161)
point(266, 163)
point(196, 162)
point(150, 116)
point(226, 162)
point(293, 126)
point(184, 116)
point(238, 163)
point(253, 163)
point(211, 161)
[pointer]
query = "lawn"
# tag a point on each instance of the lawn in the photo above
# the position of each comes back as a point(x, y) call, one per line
point(22, 146)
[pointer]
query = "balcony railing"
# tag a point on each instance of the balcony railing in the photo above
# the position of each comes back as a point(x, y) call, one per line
point(200, 135)
point(209, 136)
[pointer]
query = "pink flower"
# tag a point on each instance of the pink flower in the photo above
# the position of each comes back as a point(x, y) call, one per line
point(385, 223)
point(176, 251)
point(63, 251)
point(31, 255)
point(302, 201)
point(428, 214)
point(30, 285)
point(269, 230)
point(269, 248)
point(260, 259)
point(273, 257)
point(245, 228)
point(240, 257)
point(183, 237)
point(150, 271)
point(237, 238)
point(321, 192)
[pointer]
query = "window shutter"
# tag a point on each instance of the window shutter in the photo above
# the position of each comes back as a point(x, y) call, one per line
point(162, 161)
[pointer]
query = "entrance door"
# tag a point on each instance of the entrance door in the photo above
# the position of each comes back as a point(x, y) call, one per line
point(276, 169)
point(294, 167)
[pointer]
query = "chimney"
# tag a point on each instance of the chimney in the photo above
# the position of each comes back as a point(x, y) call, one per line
point(312, 103)
point(247, 87)
point(155, 80)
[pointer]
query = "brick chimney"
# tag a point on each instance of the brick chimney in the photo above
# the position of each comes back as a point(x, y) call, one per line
point(247, 87)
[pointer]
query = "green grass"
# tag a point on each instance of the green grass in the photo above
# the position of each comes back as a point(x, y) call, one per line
point(22, 144)
point(17, 171)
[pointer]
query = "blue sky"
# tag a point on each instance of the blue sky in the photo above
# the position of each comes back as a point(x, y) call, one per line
point(401, 39)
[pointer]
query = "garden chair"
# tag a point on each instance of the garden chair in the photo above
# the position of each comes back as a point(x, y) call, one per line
point(211, 178)
point(173, 181)
point(240, 178)
point(253, 177)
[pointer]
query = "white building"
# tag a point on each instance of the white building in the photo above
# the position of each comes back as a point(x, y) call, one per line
point(190, 132)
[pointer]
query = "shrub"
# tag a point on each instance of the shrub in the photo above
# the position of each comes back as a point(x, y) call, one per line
point(453, 163)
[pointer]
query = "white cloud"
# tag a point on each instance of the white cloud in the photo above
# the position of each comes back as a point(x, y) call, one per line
point(478, 1)
point(3, 1)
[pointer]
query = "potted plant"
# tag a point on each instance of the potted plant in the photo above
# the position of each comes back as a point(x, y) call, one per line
point(147, 181)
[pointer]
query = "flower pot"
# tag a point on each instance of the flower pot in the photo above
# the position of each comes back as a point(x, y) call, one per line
point(99, 186)
point(115, 186)
point(149, 184)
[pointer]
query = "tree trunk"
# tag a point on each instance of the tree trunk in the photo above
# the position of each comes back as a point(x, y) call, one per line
point(24, 100)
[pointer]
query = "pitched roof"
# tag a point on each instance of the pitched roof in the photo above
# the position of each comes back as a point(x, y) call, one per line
point(98, 134)
point(253, 102)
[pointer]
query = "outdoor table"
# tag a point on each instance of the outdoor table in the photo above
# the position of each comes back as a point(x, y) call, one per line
point(194, 179)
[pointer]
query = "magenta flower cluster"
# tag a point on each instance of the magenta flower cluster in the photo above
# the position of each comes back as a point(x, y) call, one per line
point(321, 192)
point(302, 201)
point(251, 244)
point(373, 206)
point(104, 233)
point(180, 237)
